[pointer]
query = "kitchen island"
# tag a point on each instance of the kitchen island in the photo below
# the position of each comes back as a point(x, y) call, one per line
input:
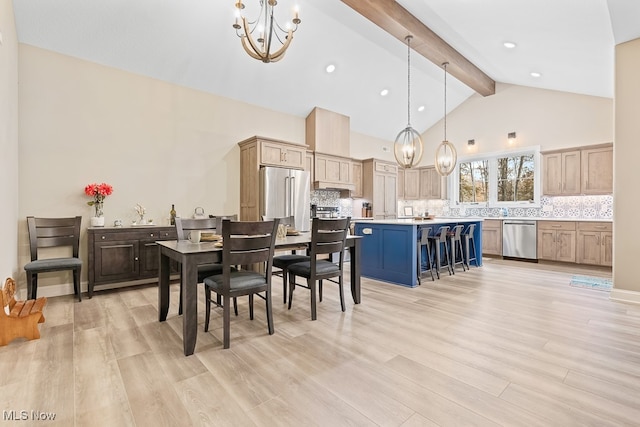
point(390, 247)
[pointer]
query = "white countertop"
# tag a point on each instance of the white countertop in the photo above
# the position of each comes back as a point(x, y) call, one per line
point(447, 220)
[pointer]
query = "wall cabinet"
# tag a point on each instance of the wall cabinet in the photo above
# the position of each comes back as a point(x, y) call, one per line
point(333, 171)
point(379, 184)
point(309, 167)
point(356, 177)
point(587, 170)
point(557, 241)
point(328, 132)
point(124, 254)
point(431, 184)
point(259, 151)
point(492, 237)
point(408, 184)
point(595, 243)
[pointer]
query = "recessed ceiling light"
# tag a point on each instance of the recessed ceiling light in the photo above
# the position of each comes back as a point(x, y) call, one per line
point(384, 92)
point(330, 68)
point(509, 45)
point(535, 74)
point(421, 108)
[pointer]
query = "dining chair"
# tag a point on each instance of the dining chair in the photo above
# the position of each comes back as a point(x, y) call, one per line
point(46, 233)
point(282, 262)
point(212, 225)
point(327, 236)
point(245, 243)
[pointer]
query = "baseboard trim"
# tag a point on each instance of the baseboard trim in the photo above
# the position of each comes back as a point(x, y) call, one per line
point(622, 295)
point(51, 291)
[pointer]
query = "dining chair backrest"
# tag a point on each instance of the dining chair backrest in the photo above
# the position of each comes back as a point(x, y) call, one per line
point(185, 225)
point(286, 220)
point(247, 243)
point(328, 236)
point(220, 218)
point(54, 232)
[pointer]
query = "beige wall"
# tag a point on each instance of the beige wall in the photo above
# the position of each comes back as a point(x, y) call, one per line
point(547, 118)
point(8, 143)
point(626, 155)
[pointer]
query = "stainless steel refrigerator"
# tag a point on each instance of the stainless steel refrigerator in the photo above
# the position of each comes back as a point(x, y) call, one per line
point(285, 192)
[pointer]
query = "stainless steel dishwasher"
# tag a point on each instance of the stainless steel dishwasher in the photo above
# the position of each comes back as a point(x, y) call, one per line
point(519, 238)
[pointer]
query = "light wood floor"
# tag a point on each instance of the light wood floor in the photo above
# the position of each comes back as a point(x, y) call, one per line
point(508, 344)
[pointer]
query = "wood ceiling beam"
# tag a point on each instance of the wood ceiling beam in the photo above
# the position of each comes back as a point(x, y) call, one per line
point(397, 21)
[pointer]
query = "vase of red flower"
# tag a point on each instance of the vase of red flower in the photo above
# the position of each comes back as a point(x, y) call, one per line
point(98, 192)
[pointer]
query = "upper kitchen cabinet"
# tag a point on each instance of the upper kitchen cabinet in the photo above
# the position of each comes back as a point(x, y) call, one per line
point(356, 177)
point(333, 172)
point(408, 184)
point(432, 185)
point(328, 132)
point(597, 170)
point(379, 184)
point(258, 151)
point(586, 170)
point(309, 167)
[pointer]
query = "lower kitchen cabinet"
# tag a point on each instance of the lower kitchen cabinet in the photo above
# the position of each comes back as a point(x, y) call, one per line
point(124, 254)
point(492, 237)
point(595, 243)
point(557, 241)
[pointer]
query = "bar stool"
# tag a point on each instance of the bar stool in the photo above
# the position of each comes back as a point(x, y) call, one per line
point(423, 241)
point(438, 242)
point(469, 243)
point(455, 247)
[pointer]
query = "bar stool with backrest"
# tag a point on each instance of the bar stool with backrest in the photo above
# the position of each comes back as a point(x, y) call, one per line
point(469, 243)
point(423, 242)
point(327, 236)
point(282, 262)
point(439, 243)
point(244, 243)
point(455, 247)
point(45, 233)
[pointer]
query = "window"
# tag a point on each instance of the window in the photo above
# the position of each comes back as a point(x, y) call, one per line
point(505, 179)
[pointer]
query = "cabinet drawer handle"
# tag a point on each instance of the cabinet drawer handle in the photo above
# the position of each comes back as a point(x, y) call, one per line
point(103, 237)
point(136, 258)
point(150, 234)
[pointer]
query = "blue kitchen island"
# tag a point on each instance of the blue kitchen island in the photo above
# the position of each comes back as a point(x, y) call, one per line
point(390, 247)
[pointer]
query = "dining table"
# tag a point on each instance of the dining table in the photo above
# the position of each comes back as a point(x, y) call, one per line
point(189, 255)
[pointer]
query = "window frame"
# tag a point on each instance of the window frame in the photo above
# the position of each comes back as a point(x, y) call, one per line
point(492, 158)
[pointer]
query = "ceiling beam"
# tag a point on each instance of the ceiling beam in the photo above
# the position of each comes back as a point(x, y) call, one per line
point(397, 21)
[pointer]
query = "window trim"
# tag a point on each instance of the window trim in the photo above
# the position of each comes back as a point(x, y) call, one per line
point(454, 183)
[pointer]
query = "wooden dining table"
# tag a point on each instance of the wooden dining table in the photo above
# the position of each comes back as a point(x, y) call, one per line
point(190, 255)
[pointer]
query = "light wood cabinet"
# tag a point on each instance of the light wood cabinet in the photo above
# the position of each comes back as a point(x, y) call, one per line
point(309, 167)
point(356, 177)
point(492, 237)
point(595, 243)
point(259, 151)
point(561, 173)
point(408, 184)
point(597, 170)
point(431, 184)
point(328, 132)
point(379, 184)
point(557, 241)
point(401, 178)
point(584, 170)
point(333, 170)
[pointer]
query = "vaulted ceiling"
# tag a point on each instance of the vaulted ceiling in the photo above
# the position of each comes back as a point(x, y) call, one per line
point(192, 43)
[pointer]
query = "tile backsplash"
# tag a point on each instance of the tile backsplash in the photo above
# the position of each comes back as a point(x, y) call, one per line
point(561, 207)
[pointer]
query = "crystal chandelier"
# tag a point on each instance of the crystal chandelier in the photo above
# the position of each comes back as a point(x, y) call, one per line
point(446, 156)
point(264, 39)
point(408, 147)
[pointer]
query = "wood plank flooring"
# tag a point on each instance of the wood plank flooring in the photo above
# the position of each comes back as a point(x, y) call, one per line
point(507, 344)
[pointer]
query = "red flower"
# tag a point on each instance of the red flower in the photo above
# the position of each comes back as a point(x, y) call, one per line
point(98, 192)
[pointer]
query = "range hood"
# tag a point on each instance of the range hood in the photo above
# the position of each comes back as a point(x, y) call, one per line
point(337, 186)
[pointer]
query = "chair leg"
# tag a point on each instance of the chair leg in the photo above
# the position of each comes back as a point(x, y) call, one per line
point(284, 285)
point(269, 312)
point(207, 308)
point(292, 286)
point(235, 306)
point(312, 288)
point(76, 284)
point(320, 289)
point(226, 321)
point(32, 285)
point(341, 293)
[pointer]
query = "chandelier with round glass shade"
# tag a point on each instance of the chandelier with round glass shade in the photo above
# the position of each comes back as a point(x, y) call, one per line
point(408, 147)
point(264, 38)
point(446, 155)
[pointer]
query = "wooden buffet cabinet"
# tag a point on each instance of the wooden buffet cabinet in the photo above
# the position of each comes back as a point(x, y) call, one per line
point(124, 254)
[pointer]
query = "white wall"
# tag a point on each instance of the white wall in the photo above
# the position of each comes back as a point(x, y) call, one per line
point(547, 118)
point(626, 153)
point(8, 143)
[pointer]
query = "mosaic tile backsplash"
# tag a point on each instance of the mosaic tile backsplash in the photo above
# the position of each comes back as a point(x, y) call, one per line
point(562, 207)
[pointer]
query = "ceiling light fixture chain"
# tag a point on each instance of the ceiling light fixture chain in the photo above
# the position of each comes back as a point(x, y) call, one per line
point(258, 36)
point(408, 147)
point(446, 155)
